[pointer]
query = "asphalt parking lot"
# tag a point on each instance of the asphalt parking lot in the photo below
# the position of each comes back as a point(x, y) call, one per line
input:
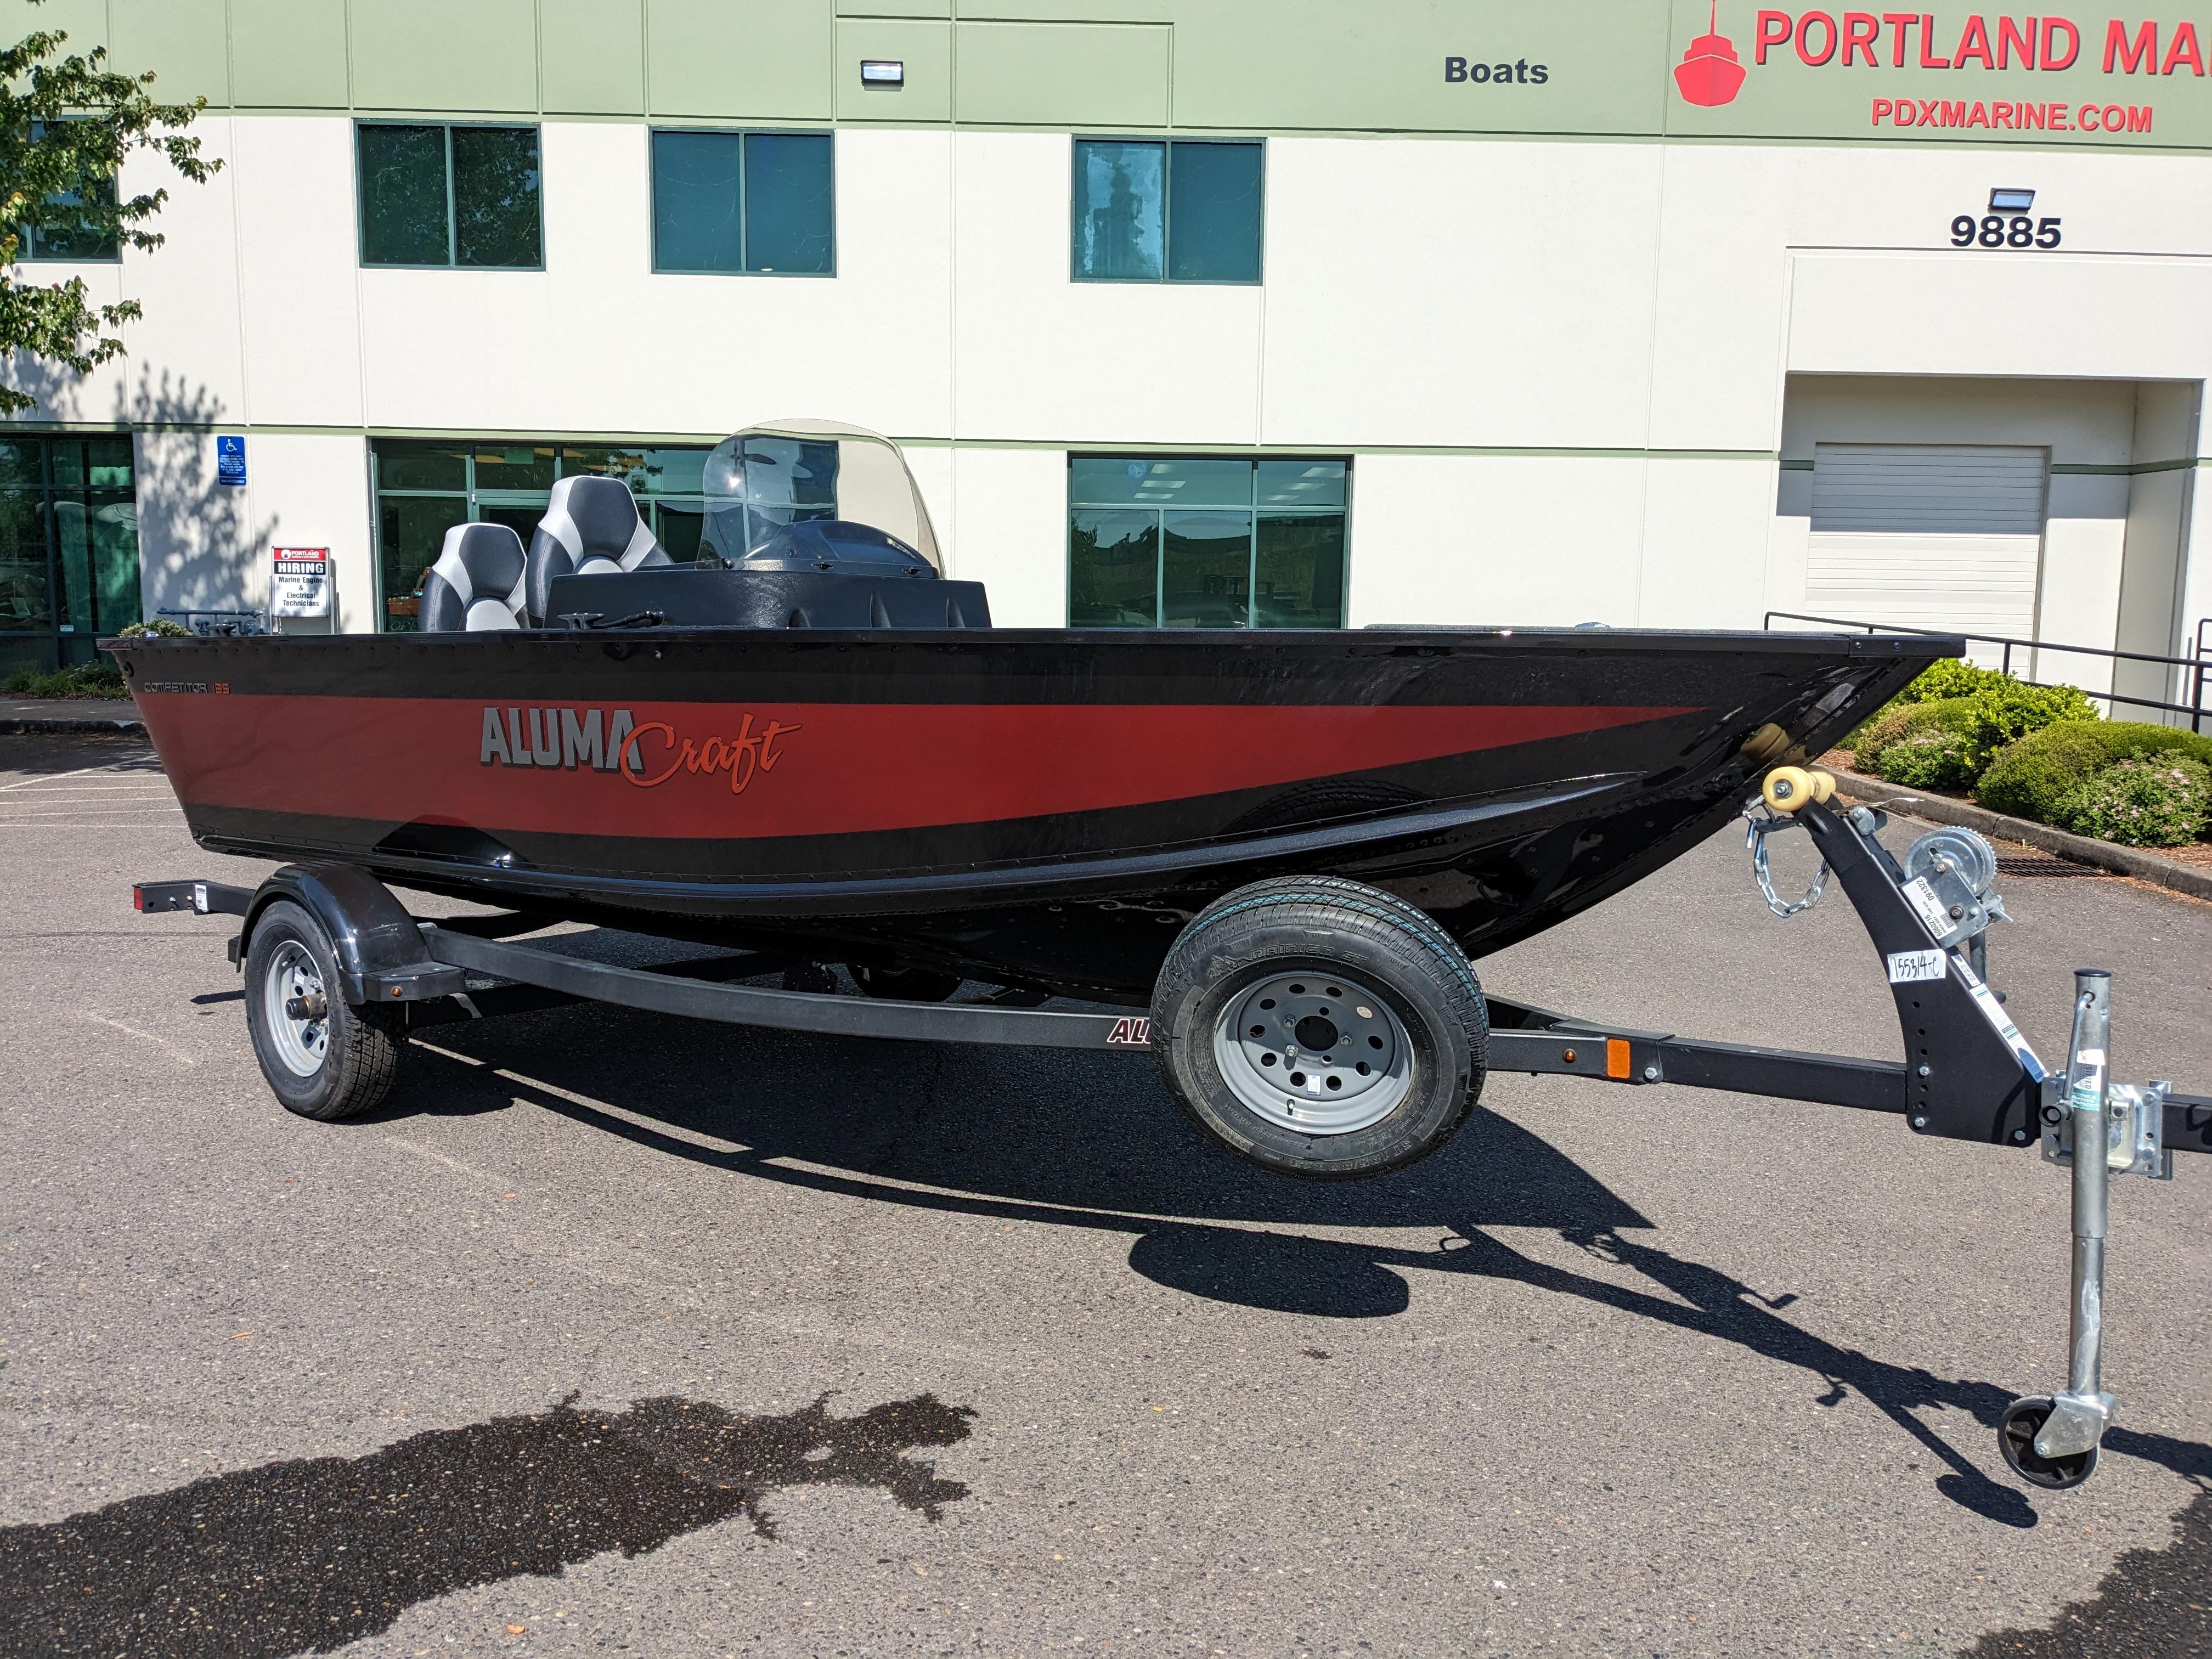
point(614, 1333)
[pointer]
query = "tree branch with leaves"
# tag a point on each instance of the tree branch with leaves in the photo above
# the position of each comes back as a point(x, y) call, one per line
point(65, 127)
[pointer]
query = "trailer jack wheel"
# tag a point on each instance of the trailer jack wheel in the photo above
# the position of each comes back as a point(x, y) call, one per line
point(2023, 1420)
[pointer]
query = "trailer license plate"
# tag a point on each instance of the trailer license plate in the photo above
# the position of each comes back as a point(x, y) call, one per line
point(1909, 967)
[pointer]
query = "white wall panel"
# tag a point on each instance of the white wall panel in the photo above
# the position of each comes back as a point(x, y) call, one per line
point(1703, 544)
point(298, 269)
point(597, 343)
point(1433, 292)
point(311, 489)
point(1042, 357)
point(1012, 508)
point(1507, 541)
point(197, 538)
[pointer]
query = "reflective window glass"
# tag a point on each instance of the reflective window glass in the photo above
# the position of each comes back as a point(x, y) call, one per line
point(678, 526)
point(114, 552)
point(695, 221)
point(73, 563)
point(789, 216)
point(58, 233)
point(1298, 570)
point(1119, 218)
point(1206, 570)
point(495, 217)
point(19, 463)
point(514, 466)
point(23, 569)
point(1238, 544)
point(401, 465)
point(1113, 570)
point(1300, 483)
point(1213, 213)
point(1182, 211)
point(404, 210)
point(410, 529)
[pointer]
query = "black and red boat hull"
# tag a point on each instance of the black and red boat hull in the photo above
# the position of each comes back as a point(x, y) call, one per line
point(1042, 807)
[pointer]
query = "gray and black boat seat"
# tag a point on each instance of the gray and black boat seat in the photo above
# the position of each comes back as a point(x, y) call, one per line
point(591, 527)
point(478, 582)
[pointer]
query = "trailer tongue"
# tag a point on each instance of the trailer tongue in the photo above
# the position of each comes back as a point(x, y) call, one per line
point(338, 973)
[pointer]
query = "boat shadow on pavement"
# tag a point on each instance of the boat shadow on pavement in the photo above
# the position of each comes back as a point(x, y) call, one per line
point(1082, 1140)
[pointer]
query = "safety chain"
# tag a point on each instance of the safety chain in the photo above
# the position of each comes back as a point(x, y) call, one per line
point(1759, 827)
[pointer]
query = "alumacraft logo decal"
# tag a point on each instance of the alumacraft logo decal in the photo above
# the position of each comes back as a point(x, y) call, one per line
point(1131, 1032)
point(647, 753)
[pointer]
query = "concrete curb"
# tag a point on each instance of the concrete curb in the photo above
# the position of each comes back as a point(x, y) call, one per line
point(15, 726)
point(2082, 849)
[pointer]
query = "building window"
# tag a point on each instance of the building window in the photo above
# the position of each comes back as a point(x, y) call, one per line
point(1193, 542)
point(759, 202)
point(68, 547)
point(60, 233)
point(449, 196)
point(423, 487)
point(1185, 211)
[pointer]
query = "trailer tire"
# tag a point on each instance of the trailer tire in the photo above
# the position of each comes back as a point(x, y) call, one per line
point(1277, 997)
point(333, 1061)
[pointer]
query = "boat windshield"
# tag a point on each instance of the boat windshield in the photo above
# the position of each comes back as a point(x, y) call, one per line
point(787, 472)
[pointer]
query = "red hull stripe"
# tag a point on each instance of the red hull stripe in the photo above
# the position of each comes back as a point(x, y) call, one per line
point(729, 770)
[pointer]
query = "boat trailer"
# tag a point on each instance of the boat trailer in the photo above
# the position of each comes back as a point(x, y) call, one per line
point(1968, 1074)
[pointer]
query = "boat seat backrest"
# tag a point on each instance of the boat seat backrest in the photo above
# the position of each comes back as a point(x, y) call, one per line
point(476, 583)
point(591, 527)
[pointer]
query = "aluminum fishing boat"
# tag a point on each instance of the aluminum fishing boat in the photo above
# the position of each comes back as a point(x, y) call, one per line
point(811, 740)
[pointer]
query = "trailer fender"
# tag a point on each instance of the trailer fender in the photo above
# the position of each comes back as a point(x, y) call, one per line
point(381, 954)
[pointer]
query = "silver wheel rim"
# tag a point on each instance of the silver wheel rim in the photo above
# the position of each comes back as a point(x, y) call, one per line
point(301, 1044)
point(1317, 1053)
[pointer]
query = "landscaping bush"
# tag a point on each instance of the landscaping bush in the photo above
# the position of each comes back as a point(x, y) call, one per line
point(2033, 775)
point(1992, 707)
point(1936, 756)
point(161, 628)
point(91, 679)
point(2141, 802)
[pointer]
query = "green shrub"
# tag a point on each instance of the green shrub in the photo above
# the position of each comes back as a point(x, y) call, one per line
point(2141, 802)
point(91, 679)
point(1936, 756)
point(2004, 710)
point(161, 628)
point(1953, 677)
point(2030, 777)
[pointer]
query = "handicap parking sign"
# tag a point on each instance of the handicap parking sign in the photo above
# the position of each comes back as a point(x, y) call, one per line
point(230, 460)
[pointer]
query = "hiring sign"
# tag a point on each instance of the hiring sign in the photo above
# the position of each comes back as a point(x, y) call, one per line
point(301, 584)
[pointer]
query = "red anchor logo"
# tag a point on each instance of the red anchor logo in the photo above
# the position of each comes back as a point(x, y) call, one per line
point(1709, 74)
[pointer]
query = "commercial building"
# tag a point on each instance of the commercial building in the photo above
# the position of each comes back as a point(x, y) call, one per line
point(1267, 313)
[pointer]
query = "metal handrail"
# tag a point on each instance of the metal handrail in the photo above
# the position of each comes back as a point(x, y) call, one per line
point(2196, 666)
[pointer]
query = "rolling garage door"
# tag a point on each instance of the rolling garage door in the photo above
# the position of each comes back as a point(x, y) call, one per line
point(1927, 536)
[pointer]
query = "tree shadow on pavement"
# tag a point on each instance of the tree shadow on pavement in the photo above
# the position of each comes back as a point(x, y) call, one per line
point(311, 1553)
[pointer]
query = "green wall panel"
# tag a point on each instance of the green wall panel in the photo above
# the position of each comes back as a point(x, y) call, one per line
point(1275, 65)
point(752, 60)
point(288, 53)
point(469, 56)
point(895, 9)
point(1081, 75)
point(182, 41)
point(925, 49)
point(590, 57)
point(85, 22)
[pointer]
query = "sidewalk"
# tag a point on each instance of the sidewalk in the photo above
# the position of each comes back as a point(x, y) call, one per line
point(20, 715)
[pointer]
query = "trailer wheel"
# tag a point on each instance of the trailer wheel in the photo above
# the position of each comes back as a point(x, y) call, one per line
point(323, 1058)
point(1320, 1027)
point(2023, 1420)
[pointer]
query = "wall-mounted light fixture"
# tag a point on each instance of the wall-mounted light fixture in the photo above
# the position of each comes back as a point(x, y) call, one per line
point(882, 75)
point(2011, 200)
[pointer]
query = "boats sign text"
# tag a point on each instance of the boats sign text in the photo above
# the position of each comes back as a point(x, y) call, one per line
point(647, 753)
